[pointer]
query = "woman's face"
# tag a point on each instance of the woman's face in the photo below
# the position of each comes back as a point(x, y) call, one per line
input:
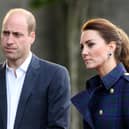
point(94, 49)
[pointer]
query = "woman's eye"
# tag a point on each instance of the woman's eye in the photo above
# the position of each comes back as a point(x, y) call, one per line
point(81, 47)
point(90, 45)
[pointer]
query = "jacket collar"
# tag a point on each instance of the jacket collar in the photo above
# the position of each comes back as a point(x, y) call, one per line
point(111, 78)
point(108, 80)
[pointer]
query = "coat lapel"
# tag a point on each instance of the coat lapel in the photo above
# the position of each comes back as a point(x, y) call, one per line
point(3, 97)
point(29, 83)
point(81, 102)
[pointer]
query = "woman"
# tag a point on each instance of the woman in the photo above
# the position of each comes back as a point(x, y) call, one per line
point(105, 102)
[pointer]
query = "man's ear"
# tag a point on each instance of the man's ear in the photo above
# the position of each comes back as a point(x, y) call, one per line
point(32, 37)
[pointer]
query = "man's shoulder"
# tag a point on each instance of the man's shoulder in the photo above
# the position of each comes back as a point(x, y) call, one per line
point(46, 64)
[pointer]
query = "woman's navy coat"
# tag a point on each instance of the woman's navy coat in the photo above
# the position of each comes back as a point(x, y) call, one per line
point(105, 103)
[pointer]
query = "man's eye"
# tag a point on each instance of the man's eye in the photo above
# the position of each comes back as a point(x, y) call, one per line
point(16, 34)
point(6, 33)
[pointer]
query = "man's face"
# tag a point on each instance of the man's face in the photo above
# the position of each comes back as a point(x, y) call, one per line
point(15, 39)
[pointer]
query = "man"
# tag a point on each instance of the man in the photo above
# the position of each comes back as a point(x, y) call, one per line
point(34, 93)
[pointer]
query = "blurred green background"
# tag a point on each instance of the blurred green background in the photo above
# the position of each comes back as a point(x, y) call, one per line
point(58, 33)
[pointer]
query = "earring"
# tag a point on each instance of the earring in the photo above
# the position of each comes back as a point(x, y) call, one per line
point(109, 54)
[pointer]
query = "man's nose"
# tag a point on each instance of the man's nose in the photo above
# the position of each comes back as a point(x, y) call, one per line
point(10, 39)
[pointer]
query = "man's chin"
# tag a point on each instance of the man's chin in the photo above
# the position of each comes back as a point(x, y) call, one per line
point(10, 57)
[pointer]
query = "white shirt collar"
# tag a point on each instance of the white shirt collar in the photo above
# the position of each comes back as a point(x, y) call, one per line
point(26, 63)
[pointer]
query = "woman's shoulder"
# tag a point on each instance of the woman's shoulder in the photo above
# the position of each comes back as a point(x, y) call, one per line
point(125, 80)
point(126, 76)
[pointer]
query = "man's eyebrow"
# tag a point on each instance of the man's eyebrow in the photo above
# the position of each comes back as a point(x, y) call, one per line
point(14, 33)
point(6, 31)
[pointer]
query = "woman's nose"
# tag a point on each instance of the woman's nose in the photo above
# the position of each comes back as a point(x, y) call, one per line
point(84, 51)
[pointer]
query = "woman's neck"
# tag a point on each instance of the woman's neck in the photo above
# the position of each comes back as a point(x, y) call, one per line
point(106, 68)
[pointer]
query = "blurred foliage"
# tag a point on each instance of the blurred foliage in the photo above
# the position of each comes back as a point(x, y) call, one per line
point(39, 3)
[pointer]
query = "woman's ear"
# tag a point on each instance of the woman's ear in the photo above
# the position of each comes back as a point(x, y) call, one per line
point(112, 46)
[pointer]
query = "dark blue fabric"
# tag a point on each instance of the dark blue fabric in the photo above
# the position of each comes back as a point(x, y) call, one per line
point(108, 95)
point(45, 97)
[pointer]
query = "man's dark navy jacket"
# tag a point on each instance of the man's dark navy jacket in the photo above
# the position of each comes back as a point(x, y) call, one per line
point(45, 97)
point(105, 103)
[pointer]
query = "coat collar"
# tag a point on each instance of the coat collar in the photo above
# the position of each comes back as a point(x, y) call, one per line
point(111, 78)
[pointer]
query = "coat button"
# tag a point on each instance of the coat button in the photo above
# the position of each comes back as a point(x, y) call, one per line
point(100, 112)
point(111, 90)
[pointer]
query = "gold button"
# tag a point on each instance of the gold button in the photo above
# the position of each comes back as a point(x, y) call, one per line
point(100, 112)
point(111, 90)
